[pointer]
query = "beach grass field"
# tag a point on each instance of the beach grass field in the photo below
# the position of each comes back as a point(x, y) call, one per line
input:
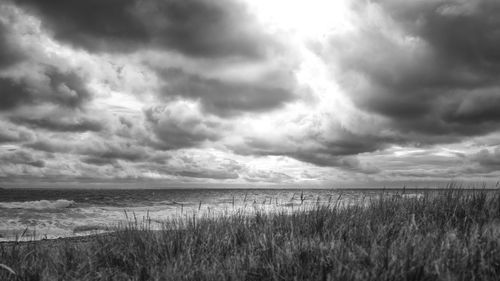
point(446, 235)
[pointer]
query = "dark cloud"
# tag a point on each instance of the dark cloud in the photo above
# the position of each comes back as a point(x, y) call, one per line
point(62, 88)
point(40, 83)
point(476, 107)
point(68, 88)
point(325, 159)
point(488, 161)
point(9, 137)
point(209, 174)
point(224, 98)
point(204, 28)
point(22, 158)
point(306, 152)
point(92, 24)
point(93, 150)
point(465, 34)
point(50, 145)
point(320, 151)
point(71, 124)
point(98, 161)
point(434, 77)
point(13, 93)
point(180, 127)
point(193, 27)
point(192, 166)
point(9, 55)
point(113, 150)
point(9, 133)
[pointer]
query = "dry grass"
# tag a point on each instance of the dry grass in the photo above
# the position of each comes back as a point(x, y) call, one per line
point(453, 235)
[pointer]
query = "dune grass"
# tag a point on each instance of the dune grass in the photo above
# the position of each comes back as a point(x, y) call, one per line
point(452, 235)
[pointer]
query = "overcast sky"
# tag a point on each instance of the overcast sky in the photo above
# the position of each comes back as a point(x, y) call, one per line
point(255, 92)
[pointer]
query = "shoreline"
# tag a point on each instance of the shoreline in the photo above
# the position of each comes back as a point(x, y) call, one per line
point(70, 239)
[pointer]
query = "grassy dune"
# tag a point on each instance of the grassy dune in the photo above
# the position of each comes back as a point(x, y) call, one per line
point(452, 235)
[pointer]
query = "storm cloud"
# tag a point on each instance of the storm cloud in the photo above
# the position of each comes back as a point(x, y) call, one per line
point(224, 97)
point(430, 67)
point(78, 125)
point(21, 158)
point(53, 86)
point(249, 92)
point(181, 126)
point(13, 93)
point(319, 152)
point(8, 53)
point(194, 27)
point(488, 160)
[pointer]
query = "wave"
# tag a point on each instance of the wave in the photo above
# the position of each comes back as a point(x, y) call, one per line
point(90, 228)
point(38, 205)
point(413, 195)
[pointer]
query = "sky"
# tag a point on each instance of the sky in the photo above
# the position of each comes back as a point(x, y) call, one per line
point(256, 93)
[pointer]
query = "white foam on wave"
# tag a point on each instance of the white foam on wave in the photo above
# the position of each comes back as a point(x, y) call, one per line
point(39, 219)
point(38, 205)
point(413, 195)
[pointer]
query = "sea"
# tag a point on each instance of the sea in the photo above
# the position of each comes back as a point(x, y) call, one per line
point(33, 214)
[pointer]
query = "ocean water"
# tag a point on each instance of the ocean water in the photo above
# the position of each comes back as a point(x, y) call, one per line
point(31, 214)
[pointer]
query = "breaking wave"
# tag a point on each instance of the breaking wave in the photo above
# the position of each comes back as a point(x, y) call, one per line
point(38, 205)
point(413, 195)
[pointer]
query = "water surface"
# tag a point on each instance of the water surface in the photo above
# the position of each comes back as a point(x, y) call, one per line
point(52, 213)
